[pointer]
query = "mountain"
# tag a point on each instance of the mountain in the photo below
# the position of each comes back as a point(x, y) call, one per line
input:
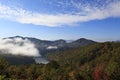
point(59, 43)
point(100, 61)
point(44, 47)
point(42, 44)
point(81, 42)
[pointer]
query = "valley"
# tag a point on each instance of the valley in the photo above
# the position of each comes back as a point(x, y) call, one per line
point(69, 61)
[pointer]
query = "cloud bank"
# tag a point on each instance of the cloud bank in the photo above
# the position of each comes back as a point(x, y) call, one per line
point(18, 46)
point(85, 13)
point(52, 47)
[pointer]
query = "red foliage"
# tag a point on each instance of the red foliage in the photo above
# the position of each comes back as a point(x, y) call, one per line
point(99, 73)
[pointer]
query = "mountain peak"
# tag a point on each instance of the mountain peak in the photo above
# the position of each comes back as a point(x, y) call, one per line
point(15, 37)
point(82, 42)
point(82, 39)
point(18, 36)
point(60, 40)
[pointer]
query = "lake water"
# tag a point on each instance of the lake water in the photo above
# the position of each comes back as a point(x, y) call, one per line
point(41, 60)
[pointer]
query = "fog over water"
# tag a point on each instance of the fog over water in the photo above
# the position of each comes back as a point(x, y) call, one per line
point(22, 47)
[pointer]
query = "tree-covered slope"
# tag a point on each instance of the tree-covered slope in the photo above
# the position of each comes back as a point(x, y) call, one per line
point(100, 61)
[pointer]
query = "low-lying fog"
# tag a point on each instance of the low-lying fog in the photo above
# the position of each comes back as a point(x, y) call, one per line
point(20, 46)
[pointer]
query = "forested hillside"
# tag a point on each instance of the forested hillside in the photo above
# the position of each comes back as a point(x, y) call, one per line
point(99, 61)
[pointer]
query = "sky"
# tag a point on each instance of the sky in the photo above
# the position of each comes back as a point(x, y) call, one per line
point(98, 20)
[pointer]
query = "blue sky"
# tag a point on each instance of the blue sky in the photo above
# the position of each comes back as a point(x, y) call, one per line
point(61, 19)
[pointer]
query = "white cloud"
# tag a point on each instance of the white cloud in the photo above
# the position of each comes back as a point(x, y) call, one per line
point(52, 47)
point(18, 46)
point(86, 13)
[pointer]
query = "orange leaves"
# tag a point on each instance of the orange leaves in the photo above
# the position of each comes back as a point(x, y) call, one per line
point(99, 73)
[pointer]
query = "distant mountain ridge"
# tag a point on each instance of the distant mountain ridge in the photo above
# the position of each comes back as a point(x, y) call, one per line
point(81, 42)
point(43, 45)
point(59, 43)
point(46, 46)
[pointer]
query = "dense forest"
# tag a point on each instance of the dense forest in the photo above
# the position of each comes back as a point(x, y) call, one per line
point(99, 61)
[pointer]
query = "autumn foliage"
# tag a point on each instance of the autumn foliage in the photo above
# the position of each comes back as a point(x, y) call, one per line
point(99, 73)
point(99, 61)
